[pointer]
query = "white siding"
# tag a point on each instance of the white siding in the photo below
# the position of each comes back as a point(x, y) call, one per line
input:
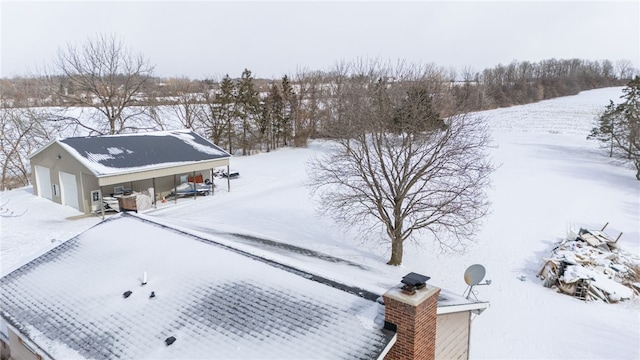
point(452, 335)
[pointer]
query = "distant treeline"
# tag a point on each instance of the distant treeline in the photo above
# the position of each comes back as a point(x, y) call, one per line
point(525, 82)
point(503, 85)
point(247, 115)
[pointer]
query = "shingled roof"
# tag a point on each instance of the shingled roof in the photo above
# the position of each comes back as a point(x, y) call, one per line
point(216, 302)
point(111, 154)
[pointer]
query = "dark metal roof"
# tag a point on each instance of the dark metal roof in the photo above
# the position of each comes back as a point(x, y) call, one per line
point(146, 149)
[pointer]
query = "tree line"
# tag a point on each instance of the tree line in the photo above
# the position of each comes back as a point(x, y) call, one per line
point(242, 114)
point(526, 82)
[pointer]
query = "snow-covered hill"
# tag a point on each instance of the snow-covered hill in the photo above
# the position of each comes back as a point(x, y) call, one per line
point(550, 178)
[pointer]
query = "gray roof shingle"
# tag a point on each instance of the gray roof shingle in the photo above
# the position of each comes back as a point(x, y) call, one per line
point(216, 302)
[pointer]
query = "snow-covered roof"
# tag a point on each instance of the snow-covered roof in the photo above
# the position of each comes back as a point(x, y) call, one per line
point(216, 301)
point(113, 154)
point(449, 302)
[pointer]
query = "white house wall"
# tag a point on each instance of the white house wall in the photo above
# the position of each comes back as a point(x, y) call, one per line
point(57, 160)
point(23, 349)
point(452, 335)
point(88, 183)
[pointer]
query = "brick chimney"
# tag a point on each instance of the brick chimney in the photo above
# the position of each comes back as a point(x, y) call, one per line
point(412, 310)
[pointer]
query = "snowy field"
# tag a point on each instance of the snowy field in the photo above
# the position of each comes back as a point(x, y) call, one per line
point(550, 178)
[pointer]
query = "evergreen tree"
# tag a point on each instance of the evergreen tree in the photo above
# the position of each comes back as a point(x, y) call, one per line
point(631, 105)
point(277, 120)
point(290, 121)
point(417, 113)
point(226, 105)
point(619, 126)
point(248, 109)
point(265, 123)
point(606, 125)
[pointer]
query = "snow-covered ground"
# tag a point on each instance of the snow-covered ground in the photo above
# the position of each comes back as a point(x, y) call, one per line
point(549, 178)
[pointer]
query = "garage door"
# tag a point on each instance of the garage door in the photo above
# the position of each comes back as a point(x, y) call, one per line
point(69, 190)
point(43, 181)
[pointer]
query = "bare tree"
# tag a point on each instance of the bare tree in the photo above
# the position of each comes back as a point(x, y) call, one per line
point(308, 111)
point(188, 98)
point(398, 166)
point(22, 131)
point(104, 75)
point(624, 69)
point(14, 136)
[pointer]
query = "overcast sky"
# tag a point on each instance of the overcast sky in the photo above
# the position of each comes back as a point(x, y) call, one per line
point(210, 38)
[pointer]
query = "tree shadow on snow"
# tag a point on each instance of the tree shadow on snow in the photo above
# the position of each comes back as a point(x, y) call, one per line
point(590, 164)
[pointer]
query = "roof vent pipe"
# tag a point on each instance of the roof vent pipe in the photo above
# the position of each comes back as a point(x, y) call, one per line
point(144, 278)
point(170, 340)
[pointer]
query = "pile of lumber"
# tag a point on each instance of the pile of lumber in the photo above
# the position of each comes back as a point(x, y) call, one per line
point(590, 266)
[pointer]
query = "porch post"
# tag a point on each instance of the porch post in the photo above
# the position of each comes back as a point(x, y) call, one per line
point(195, 186)
point(101, 204)
point(155, 195)
point(213, 185)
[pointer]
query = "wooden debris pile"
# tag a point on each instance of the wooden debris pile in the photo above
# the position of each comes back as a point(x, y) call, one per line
point(590, 266)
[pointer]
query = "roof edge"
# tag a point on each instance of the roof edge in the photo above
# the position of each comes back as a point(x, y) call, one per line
point(387, 348)
point(161, 167)
point(24, 337)
point(41, 149)
point(479, 306)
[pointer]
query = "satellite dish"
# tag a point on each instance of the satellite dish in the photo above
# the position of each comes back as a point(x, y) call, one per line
point(474, 274)
point(473, 277)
